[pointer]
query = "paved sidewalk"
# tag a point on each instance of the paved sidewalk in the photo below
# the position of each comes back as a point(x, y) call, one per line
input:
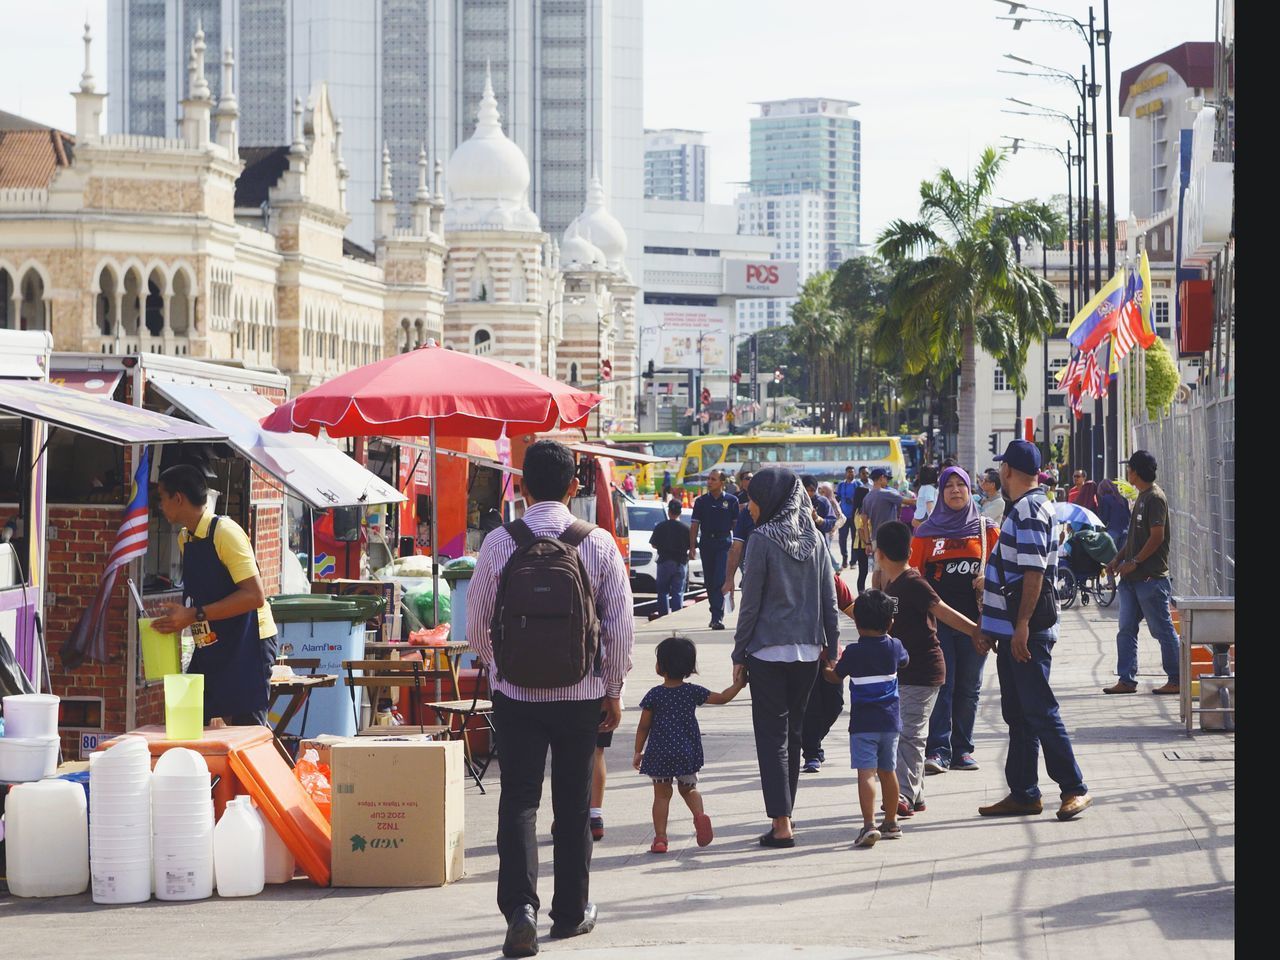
point(1149, 870)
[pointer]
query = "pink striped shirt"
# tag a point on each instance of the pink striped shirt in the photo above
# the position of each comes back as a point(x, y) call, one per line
point(609, 585)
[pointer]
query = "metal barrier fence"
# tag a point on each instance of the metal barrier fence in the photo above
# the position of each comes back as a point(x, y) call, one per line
point(1196, 449)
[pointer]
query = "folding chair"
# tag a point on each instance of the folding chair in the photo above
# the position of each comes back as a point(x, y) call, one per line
point(447, 711)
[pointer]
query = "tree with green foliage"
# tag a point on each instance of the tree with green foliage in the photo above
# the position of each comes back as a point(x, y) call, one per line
point(957, 285)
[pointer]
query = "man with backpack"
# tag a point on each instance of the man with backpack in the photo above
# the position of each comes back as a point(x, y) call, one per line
point(549, 613)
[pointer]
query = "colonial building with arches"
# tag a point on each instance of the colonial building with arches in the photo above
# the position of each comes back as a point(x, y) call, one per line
point(193, 246)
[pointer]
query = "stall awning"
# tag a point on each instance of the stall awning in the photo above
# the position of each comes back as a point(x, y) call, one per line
point(97, 383)
point(313, 469)
point(615, 453)
point(97, 416)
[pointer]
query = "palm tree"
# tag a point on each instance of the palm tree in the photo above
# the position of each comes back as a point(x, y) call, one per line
point(814, 331)
point(957, 285)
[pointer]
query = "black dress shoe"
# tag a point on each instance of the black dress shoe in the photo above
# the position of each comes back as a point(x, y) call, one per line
point(585, 926)
point(522, 933)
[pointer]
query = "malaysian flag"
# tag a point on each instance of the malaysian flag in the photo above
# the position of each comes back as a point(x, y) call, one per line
point(88, 641)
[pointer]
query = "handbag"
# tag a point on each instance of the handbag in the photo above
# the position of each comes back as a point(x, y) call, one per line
point(1045, 614)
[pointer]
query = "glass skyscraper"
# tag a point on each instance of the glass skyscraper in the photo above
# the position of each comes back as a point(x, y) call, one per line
point(567, 75)
point(813, 146)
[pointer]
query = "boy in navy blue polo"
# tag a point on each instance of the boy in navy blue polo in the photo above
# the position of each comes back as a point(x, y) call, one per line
point(872, 666)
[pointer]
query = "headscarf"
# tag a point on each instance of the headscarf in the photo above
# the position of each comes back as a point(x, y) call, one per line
point(1088, 497)
point(944, 521)
point(1108, 489)
point(786, 513)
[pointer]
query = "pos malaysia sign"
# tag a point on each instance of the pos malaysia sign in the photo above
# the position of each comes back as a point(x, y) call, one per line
point(761, 278)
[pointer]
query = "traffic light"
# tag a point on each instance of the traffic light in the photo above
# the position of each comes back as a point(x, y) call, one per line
point(994, 443)
point(706, 396)
point(1059, 450)
point(777, 376)
point(648, 374)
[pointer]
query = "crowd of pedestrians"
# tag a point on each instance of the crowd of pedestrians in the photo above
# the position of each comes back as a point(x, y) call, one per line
point(958, 574)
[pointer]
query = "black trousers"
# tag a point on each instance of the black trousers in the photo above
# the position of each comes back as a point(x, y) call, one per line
point(526, 731)
point(861, 558)
point(846, 532)
point(826, 703)
point(779, 694)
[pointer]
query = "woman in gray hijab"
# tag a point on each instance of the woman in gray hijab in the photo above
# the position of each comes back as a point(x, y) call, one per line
point(788, 614)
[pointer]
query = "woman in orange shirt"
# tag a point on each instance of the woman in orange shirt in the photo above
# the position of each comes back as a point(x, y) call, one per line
point(950, 550)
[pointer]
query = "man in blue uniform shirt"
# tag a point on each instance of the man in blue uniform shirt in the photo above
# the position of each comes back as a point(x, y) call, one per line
point(714, 514)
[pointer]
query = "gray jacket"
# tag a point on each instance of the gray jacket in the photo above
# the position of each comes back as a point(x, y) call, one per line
point(785, 601)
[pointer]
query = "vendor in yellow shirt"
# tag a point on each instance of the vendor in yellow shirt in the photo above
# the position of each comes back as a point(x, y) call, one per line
point(225, 604)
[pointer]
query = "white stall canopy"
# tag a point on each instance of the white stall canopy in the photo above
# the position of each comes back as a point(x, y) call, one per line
point(97, 416)
point(312, 468)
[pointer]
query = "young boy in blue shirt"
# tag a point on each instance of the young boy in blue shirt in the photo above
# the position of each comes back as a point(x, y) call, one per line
point(872, 666)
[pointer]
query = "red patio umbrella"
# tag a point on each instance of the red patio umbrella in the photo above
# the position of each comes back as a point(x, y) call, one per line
point(440, 393)
point(455, 394)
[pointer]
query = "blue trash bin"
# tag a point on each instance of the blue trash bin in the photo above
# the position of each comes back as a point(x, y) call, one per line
point(331, 628)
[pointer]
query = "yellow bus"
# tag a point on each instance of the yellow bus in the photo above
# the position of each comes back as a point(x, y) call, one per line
point(824, 457)
point(669, 446)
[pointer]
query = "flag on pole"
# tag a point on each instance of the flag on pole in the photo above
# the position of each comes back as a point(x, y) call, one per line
point(88, 641)
point(1099, 316)
point(1147, 333)
point(1071, 373)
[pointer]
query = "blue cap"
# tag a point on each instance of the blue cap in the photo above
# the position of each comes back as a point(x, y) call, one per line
point(879, 472)
point(1023, 456)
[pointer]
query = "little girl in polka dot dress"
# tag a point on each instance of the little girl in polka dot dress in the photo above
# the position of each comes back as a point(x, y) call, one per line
point(669, 724)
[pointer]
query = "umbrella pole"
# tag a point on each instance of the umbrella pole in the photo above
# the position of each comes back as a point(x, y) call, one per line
point(435, 531)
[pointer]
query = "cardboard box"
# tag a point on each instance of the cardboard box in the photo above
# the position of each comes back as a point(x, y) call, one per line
point(323, 743)
point(397, 813)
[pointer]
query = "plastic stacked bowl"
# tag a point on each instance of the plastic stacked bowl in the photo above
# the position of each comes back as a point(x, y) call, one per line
point(120, 822)
point(182, 826)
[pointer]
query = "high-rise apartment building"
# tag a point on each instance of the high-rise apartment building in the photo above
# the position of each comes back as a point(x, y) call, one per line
point(675, 165)
point(798, 222)
point(566, 74)
point(813, 145)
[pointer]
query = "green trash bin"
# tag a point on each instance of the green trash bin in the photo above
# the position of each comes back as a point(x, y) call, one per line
point(330, 628)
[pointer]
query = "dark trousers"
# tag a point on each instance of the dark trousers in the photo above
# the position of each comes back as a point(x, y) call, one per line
point(861, 559)
point(956, 709)
point(568, 728)
point(779, 695)
point(846, 532)
point(826, 703)
point(1031, 711)
point(715, 563)
point(670, 586)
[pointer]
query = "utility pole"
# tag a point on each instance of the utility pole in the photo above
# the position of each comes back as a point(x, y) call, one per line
point(1113, 427)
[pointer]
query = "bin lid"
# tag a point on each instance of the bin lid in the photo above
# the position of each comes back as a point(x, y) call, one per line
point(456, 574)
point(308, 607)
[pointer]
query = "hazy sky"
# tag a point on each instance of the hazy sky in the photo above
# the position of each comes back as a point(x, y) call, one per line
point(924, 72)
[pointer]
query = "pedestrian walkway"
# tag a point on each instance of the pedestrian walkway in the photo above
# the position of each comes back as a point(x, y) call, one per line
point(1148, 870)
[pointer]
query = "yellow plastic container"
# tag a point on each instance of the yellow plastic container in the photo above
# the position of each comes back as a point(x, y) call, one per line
point(161, 652)
point(184, 706)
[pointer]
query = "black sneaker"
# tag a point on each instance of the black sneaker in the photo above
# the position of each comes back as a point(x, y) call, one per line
point(717, 625)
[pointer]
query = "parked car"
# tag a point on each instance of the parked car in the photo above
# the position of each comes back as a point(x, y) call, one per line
point(642, 518)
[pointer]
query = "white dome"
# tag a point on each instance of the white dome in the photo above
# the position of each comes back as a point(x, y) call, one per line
point(579, 253)
point(601, 227)
point(488, 176)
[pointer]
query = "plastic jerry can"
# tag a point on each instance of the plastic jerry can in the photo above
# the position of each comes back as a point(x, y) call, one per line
point(239, 851)
point(47, 839)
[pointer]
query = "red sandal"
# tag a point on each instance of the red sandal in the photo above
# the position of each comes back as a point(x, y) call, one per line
point(659, 845)
point(702, 829)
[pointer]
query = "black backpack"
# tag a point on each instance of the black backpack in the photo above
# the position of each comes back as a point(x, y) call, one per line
point(545, 630)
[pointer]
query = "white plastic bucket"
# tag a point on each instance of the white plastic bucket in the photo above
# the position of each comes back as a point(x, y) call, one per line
point(23, 759)
point(31, 715)
point(122, 882)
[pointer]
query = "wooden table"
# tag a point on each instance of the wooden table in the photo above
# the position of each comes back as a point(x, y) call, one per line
point(385, 683)
point(297, 688)
point(452, 649)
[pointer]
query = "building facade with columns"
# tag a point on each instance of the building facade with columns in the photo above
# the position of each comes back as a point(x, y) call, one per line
point(196, 246)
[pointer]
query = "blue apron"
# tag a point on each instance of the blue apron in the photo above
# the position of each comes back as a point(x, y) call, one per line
point(237, 664)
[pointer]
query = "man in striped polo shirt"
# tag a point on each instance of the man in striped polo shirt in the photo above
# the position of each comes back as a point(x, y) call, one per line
point(565, 720)
point(1019, 571)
